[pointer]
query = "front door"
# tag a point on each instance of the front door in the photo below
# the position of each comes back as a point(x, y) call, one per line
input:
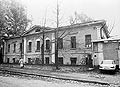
point(90, 61)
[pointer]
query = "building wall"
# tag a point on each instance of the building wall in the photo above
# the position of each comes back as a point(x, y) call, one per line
point(106, 50)
point(110, 51)
point(11, 54)
point(80, 52)
point(33, 54)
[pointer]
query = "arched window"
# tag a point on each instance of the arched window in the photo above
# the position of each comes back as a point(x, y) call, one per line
point(47, 44)
point(29, 46)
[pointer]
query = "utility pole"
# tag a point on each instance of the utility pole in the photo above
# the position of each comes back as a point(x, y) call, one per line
point(42, 48)
point(56, 38)
point(43, 44)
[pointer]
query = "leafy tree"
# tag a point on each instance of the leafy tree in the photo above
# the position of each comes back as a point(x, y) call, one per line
point(13, 18)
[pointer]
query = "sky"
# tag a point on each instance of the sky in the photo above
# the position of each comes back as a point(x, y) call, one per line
point(108, 10)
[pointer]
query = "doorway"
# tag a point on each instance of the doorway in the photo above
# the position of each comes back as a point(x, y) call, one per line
point(89, 61)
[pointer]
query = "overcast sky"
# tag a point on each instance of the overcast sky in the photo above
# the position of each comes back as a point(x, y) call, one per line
point(96, 9)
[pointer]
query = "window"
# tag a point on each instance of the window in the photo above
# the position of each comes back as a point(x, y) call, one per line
point(47, 44)
point(60, 43)
point(60, 60)
point(20, 46)
point(47, 60)
point(13, 60)
point(38, 46)
point(29, 61)
point(8, 60)
point(73, 60)
point(73, 42)
point(14, 50)
point(38, 29)
point(88, 43)
point(30, 47)
point(37, 61)
point(8, 47)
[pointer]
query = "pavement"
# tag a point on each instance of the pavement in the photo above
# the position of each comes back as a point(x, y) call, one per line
point(87, 76)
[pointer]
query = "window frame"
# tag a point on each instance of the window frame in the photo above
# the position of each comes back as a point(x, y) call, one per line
point(8, 47)
point(38, 46)
point(88, 39)
point(29, 47)
point(14, 47)
point(73, 42)
point(47, 44)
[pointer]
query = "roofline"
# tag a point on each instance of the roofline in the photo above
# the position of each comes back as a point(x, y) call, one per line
point(109, 39)
point(61, 28)
point(69, 26)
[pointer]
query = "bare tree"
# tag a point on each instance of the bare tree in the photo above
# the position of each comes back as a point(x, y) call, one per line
point(79, 18)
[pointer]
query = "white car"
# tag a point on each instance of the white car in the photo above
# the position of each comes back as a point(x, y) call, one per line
point(107, 65)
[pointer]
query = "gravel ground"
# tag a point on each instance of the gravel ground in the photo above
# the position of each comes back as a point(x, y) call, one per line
point(7, 80)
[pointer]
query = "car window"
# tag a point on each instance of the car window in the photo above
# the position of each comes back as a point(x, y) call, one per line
point(107, 62)
point(102, 62)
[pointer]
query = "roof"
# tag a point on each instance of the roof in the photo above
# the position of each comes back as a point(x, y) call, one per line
point(48, 29)
point(68, 26)
point(109, 39)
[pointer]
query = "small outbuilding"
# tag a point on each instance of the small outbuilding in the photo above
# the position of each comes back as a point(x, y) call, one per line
point(106, 49)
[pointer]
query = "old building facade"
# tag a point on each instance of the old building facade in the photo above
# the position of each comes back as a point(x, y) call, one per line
point(74, 44)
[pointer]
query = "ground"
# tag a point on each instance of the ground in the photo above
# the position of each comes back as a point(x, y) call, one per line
point(85, 78)
point(23, 82)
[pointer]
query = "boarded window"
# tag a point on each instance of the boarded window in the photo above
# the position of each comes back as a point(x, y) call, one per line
point(73, 42)
point(47, 44)
point(38, 46)
point(8, 47)
point(60, 43)
point(88, 43)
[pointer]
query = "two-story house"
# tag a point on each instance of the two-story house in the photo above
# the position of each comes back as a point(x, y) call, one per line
point(74, 44)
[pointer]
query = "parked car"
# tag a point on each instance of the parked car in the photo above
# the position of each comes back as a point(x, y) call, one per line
point(107, 65)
